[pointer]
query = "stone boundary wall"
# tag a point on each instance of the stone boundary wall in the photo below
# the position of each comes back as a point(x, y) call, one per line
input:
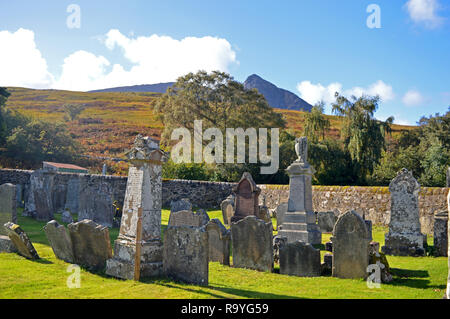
point(372, 202)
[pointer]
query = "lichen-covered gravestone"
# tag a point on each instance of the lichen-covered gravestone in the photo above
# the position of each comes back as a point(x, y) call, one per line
point(185, 254)
point(91, 245)
point(181, 204)
point(404, 237)
point(219, 239)
point(59, 239)
point(252, 244)
point(188, 218)
point(21, 241)
point(326, 221)
point(299, 259)
point(227, 207)
point(440, 240)
point(350, 246)
point(247, 194)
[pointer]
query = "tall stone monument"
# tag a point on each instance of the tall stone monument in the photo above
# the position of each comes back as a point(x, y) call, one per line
point(246, 198)
point(138, 249)
point(404, 237)
point(299, 222)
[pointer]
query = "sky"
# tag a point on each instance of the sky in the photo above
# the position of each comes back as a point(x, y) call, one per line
point(399, 50)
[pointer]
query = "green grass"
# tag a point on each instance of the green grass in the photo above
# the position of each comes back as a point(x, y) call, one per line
point(420, 277)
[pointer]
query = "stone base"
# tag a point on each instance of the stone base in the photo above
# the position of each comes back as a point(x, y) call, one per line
point(403, 245)
point(312, 235)
point(6, 245)
point(122, 264)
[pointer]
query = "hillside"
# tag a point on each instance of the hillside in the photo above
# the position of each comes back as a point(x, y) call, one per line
point(155, 88)
point(111, 120)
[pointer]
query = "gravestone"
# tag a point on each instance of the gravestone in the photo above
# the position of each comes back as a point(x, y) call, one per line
point(185, 254)
point(326, 221)
point(278, 241)
point(98, 207)
point(66, 217)
point(327, 265)
point(91, 245)
point(350, 246)
point(138, 249)
point(252, 244)
point(6, 245)
point(299, 259)
point(246, 198)
point(404, 237)
point(40, 202)
point(219, 239)
point(8, 205)
point(21, 241)
point(299, 222)
point(181, 204)
point(280, 212)
point(188, 218)
point(369, 228)
point(227, 207)
point(59, 239)
point(440, 238)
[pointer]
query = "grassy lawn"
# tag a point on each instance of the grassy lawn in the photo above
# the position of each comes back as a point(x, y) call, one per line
point(420, 277)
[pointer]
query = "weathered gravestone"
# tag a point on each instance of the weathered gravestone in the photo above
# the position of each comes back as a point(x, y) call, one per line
point(66, 217)
point(350, 246)
point(227, 207)
point(7, 206)
point(91, 245)
point(252, 244)
point(185, 254)
point(326, 221)
point(299, 259)
point(138, 249)
point(440, 238)
point(96, 202)
point(39, 203)
point(219, 239)
point(280, 212)
point(246, 202)
point(6, 245)
point(188, 218)
point(59, 239)
point(21, 241)
point(404, 237)
point(277, 242)
point(181, 204)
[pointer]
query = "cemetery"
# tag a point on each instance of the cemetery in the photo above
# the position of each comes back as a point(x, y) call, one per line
point(189, 239)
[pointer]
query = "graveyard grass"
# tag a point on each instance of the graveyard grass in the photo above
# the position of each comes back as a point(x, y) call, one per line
point(420, 277)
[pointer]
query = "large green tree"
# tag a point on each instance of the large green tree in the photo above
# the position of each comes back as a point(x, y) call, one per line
point(316, 123)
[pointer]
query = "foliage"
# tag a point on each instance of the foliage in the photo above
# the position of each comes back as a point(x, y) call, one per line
point(316, 123)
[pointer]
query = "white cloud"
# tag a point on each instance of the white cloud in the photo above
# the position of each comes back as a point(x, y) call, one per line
point(313, 93)
point(424, 12)
point(412, 98)
point(21, 63)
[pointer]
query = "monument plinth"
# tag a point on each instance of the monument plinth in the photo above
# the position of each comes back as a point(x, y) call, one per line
point(299, 222)
point(139, 241)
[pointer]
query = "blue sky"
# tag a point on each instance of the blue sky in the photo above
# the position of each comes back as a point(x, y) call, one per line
point(311, 48)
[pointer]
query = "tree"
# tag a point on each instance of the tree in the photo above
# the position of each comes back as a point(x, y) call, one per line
point(73, 111)
point(4, 94)
point(363, 135)
point(316, 123)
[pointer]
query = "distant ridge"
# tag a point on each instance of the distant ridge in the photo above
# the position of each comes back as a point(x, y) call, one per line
point(275, 96)
point(157, 88)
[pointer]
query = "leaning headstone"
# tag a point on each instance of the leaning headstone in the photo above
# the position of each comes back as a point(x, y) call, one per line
point(227, 207)
point(326, 221)
point(280, 212)
point(138, 249)
point(404, 237)
point(66, 217)
point(188, 218)
point(219, 239)
point(252, 244)
point(440, 239)
point(91, 244)
point(181, 204)
point(350, 246)
point(21, 241)
point(59, 239)
point(185, 254)
point(8, 204)
point(299, 259)
point(247, 198)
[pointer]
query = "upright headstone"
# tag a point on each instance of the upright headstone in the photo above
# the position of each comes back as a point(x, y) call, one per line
point(21, 241)
point(138, 249)
point(300, 221)
point(66, 217)
point(299, 259)
point(59, 239)
point(404, 237)
point(179, 205)
point(227, 207)
point(350, 246)
point(40, 205)
point(8, 205)
point(326, 221)
point(219, 239)
point(280, 212)
point(188, 218)
point(440, 238)
point(246, 193)
point(91, 244)
point(252, 244)
point(185, 255)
